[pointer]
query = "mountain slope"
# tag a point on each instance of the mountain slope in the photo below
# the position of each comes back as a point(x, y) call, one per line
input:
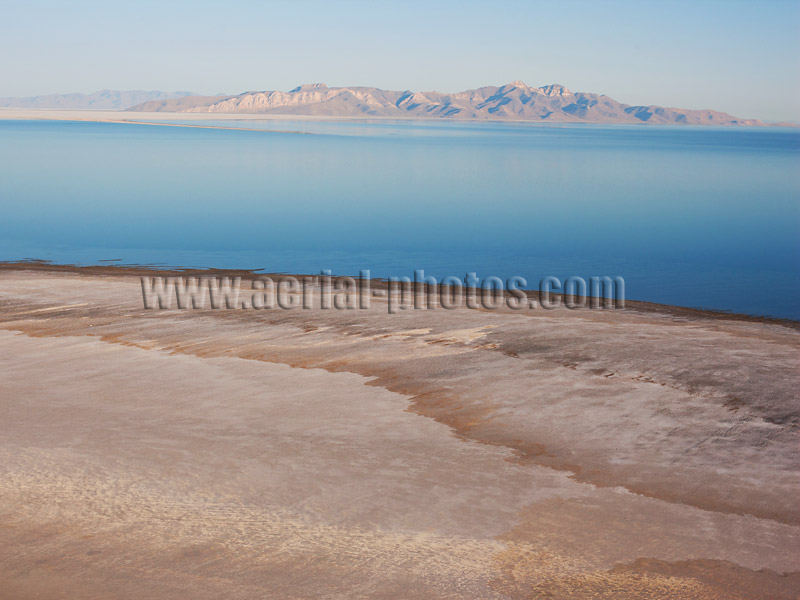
point(181, 104)
point(513, 101)
point(103, 99)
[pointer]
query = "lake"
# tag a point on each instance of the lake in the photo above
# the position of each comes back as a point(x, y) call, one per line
point(691, 216)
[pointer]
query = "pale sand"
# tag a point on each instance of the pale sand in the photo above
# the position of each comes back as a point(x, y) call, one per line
point(355, 454)
point(117, 115)
point(121, 116)
point(195, 120)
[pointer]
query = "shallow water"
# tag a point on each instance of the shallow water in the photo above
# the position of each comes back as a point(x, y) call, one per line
point(705, 217)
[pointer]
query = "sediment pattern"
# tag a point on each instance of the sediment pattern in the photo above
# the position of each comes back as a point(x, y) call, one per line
point(430, 453)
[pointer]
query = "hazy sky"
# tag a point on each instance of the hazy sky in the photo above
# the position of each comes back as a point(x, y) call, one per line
point(741, 57)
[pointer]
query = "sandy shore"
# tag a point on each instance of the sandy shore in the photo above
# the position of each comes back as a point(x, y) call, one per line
point(133, 117)
point(356, 454)
point(180, 119)
point(238, 122)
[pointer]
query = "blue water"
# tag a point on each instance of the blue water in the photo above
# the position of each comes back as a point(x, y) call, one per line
point(703, 217)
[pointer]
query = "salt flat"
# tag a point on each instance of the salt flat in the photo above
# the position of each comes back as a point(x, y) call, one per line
point(431, 453)
point(121, 116)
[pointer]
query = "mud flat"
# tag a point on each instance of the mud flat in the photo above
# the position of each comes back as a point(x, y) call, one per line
point(358, 454)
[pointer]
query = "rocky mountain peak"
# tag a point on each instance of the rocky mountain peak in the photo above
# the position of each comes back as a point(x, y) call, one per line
point(310, 87)
point(555, 90)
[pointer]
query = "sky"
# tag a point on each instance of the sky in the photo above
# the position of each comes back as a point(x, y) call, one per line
point(738, 56)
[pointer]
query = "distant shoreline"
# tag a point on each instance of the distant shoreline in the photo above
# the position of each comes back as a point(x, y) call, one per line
point(152, 118)
point(133, 270)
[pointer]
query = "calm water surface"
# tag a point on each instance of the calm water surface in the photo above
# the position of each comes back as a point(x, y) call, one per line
point(705, 217)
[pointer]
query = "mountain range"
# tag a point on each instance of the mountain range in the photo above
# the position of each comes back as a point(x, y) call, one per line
point(513, 101)
point(103, 99)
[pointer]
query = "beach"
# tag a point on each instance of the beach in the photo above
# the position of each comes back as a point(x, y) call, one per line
point(617, 453)
point(161, 118)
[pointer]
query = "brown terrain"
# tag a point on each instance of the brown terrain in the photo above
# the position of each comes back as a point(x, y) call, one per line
point(645, 452)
